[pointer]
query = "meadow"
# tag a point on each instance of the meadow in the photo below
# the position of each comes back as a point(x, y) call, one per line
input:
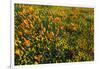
point(53, 34)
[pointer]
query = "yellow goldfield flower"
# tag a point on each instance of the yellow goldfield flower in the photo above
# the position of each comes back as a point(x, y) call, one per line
point(37, 38)
point(74, 26)
point(41, 32)
point(19, 52)
point(81, 54)
point(31, 25)
point(62, 27)
point(36, 17)
point(36, 62)
point(39, 20)
point(49, 27)
point(20, 13)
point(38, 57)
point(19, 42)
point(30, 10)
point(44, 30)
point(26, 31)
point(20, 33)
point(91, 29)
point(51, 33)
point(24, 11)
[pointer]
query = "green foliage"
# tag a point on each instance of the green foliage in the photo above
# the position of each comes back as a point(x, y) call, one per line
point(53, 34)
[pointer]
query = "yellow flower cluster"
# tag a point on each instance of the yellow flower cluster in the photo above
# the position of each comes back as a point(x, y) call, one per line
point(53, 34)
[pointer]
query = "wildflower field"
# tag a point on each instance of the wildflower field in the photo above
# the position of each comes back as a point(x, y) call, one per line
point(52, 34)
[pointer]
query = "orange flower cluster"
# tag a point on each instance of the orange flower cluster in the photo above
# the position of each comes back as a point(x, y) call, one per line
point(53, 34)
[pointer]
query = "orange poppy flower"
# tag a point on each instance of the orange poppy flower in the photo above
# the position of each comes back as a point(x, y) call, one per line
point(26, 21)
point(50, 18)
point(27, 42)
point(50, 35)
point(57, 20)
point(22, 25)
